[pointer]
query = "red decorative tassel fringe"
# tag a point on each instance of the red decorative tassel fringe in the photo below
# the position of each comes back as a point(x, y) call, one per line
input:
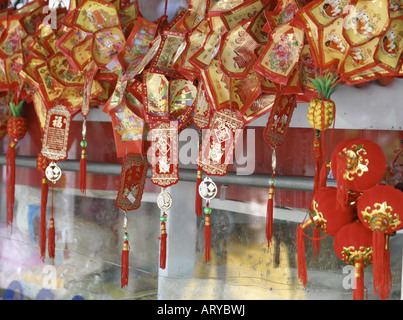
point(51, 238)
point(83, 171)
point(302, 273)
point(342, 189)
point(316, 242)
point(207, 238)
point(42, 230)
point(269, 214)
point(163, 246)
point(381, 265)
point(10, 169)
point(124, 276)
point(358, 289)
point(387, 273)
point(199, 200)
point(16, 130)
point(317, 154)
point(323, 176)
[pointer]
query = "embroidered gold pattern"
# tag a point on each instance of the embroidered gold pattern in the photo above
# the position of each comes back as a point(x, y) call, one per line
point(350, 254)
point(381, 216)
point(357, 165)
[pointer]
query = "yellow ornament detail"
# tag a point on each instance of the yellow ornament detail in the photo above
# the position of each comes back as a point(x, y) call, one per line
point(381, 217)
point(350, 254)
point(321, 113)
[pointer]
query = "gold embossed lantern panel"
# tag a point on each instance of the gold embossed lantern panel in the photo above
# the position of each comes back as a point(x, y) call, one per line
point(357, 165)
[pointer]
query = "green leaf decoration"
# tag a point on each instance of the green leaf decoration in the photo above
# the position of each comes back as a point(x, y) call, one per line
point(325, 84)
point(16, 109)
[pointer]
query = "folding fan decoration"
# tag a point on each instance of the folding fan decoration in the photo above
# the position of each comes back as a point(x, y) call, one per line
point(218, 65)
point(165, 103)
point(128, 119)
point(280, 56)
point(57, 99)
point(122, 104)
point(344, 36)
point(94, 40)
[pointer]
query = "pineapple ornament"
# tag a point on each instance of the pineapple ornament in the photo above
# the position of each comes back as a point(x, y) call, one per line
point(321, 110)
point(321, 113)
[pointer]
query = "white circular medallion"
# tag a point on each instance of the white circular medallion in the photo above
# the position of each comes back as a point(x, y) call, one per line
point(53, 172)
point(164, 200)
point(207, 189)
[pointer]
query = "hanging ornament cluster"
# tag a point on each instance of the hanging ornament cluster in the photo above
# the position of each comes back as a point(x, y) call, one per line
point(360, 213)
point(218, 65)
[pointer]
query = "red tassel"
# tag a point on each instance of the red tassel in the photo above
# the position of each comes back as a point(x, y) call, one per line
point(316, 242)
point(381, 265)
point(83, 171)
point(323, 176)
point(51, 238)
point(342, 190)
point(358, 289)
point(207, 238)
point(163, 246)
point(317, 154)
point(10, 170)
point(16, 130)
point(42, 230)
point(387, 287)
point(124, 276)
point(199, 200)
point(269, 213)
point(302, 272)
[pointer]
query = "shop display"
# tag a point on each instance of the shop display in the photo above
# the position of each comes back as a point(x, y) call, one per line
point(219, 66)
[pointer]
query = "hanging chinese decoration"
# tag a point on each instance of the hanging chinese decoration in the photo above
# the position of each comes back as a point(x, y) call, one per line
point(380, 210)
point(16, 130)
point(58, 89)
point(218, 65)
point(96, 29)
point(353, 245)
point(11, 59)
point(132, 181)
point(357, 165)
point(274, 134)
point(207, 190)
point(166, 104)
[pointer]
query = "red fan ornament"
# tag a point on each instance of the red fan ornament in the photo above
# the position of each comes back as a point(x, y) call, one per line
point(380, 209)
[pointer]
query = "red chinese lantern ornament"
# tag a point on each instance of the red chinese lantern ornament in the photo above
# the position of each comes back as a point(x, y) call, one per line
point(353, 245)
point(380, 209)
point(357, 165)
